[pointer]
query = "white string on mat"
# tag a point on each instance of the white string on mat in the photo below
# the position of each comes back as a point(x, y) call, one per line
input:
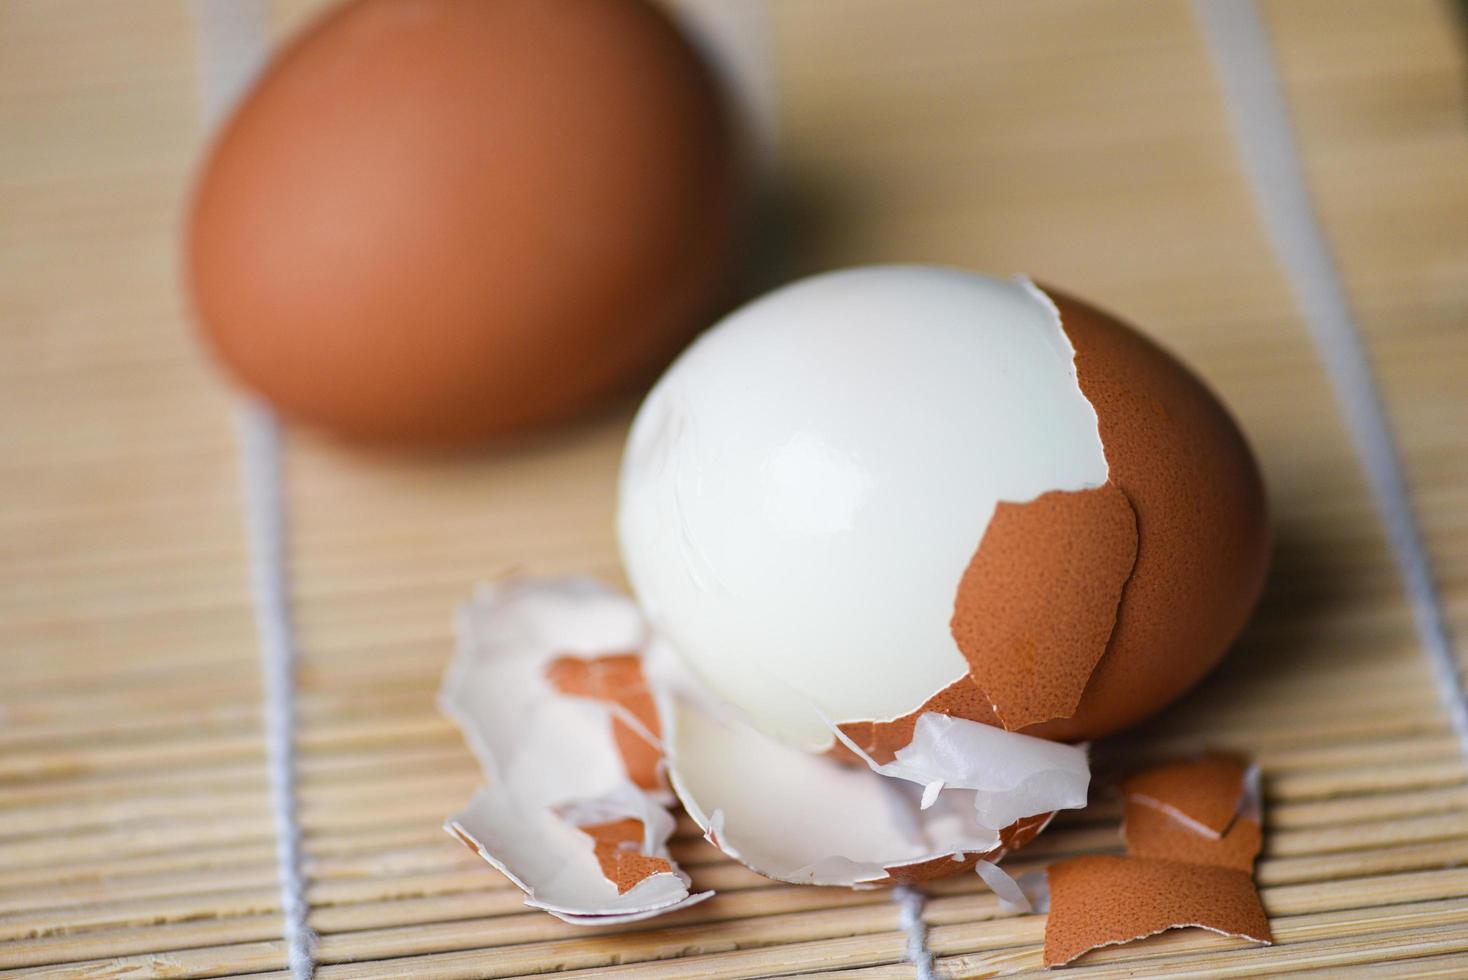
point(261, 475)
point(232, 43)
point(1243, 59)
point(910, 903)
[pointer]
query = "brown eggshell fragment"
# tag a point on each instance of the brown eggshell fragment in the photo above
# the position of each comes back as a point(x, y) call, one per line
point(931, 870)
point(882, 739)
point(1103, 900)
point(617, 844)
point(434, 222)
point(1151, 833)
point(1202, 530)
point(1204, 794)
point(618, 679)
point(1036, 605)
point(1012, 838)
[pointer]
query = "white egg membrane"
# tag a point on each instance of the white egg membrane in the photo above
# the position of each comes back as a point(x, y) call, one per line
point(1011, 776)
point(550, 759)
point(805, 486)
point(804, 817)
point(801, 817)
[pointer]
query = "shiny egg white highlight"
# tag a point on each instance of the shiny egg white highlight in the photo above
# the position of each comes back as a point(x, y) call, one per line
point(804, 487)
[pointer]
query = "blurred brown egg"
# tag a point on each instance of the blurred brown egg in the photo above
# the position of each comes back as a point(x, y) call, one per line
point(436, 222)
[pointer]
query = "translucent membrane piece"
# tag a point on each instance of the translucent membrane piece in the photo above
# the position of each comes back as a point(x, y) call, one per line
point(555, 775)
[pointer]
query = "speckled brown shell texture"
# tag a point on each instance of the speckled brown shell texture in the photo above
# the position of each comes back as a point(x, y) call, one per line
point(615, 844)
point(1151, 833)
point(1202, 524)
point(1205, 791)
point(1036, 606)
point(1192, 833)
point(1102, 900)
point(1084, 612)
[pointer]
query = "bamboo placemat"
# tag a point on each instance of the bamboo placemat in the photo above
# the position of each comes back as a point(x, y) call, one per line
point(1083, 143)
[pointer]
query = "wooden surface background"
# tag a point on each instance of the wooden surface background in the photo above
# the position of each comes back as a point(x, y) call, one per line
point(1081, 142)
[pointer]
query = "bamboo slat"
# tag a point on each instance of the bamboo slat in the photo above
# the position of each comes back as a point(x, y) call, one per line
point(1080, 142)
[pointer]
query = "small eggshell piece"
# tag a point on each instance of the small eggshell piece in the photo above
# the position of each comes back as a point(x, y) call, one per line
point(1011, 775)
point(1204, 794)
point(1036, 605)
point(617, 846)
point(1152, 833)
point(1104, 900)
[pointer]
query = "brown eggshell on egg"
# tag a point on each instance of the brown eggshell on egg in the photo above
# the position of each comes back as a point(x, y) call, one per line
point(1085, 612)
point(1075, 548)
point(435, 222)
point(1202, 525)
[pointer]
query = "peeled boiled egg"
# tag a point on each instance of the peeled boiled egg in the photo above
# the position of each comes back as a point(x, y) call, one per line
point(932, 523)
point(892, 491)
point(437, 222)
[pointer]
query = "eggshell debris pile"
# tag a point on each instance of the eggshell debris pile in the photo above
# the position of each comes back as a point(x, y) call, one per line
point(565, 797)
point(555, 777)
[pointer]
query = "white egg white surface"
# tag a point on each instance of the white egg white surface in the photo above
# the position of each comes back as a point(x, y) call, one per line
point(804, 487)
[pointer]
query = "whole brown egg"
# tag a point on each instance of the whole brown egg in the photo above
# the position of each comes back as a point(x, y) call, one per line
point(436, 222)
